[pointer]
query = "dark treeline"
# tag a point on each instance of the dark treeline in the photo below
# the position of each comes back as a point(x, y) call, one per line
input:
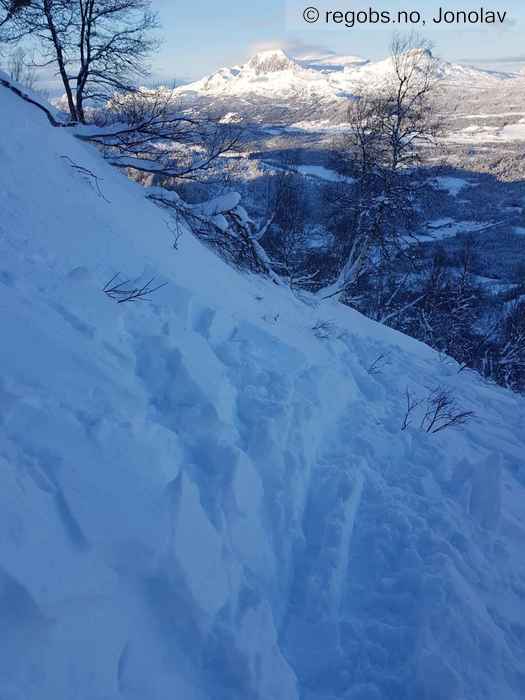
point(433, 290)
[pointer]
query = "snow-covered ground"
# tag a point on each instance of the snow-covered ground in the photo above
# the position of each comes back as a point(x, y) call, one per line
point(318, 172)
point(208, 496)
point(321, 172)
point(478, 133)
point(452, 185)
point(439, 229)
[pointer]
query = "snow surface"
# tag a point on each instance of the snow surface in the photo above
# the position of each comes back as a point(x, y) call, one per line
point(439, 229)
point(204, 497)
point(477, 133)
point(452, 185)
point(321, 172)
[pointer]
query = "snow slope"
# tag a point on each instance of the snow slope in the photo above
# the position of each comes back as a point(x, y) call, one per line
point(208, 496)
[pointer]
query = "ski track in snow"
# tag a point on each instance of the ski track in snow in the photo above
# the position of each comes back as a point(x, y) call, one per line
point(201, 499)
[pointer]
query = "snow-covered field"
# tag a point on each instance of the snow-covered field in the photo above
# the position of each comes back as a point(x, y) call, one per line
point(478, 133)
point(208, 495)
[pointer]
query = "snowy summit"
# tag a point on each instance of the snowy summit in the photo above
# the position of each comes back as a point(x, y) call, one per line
point(274, 72)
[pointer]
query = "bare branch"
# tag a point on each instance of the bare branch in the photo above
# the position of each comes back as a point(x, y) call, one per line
point(411, 405)
point(121, 291)
point(87, 174)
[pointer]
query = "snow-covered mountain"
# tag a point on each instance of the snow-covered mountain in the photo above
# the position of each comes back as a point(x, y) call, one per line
point(273, 73)
point(210, 496)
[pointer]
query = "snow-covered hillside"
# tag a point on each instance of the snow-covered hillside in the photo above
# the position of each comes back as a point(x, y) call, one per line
point(208, 495)
point(272, 73)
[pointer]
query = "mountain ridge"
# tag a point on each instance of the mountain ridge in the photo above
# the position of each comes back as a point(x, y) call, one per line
point(275, 72)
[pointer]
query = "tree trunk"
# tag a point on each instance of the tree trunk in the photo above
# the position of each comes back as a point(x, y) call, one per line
point(60, 60)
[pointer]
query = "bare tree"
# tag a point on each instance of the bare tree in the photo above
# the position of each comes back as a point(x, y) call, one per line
point(387, 132)
point(154, 135)
point(10, 29)
point(224, 226)
point(410, 120)
point(97, 46)
point(21, 69)
point(114, 42)
point(52, 24)
point(288, 231)
point(442, 411)
point(510, 358)
point(10, 8)
point(448, 307)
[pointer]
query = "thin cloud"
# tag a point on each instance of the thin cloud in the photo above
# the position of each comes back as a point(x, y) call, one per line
point(301, 49)
point(295, 48)
point(499, 59)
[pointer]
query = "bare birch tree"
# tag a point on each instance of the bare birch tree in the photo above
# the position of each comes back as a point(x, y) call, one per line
point(98, 47)
point(387, 132)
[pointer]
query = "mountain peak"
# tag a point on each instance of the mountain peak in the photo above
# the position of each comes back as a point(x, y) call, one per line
point(273, 72)
point(419, 54)
point(270, 61)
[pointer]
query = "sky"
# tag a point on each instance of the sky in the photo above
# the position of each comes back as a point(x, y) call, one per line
point(200, 36)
